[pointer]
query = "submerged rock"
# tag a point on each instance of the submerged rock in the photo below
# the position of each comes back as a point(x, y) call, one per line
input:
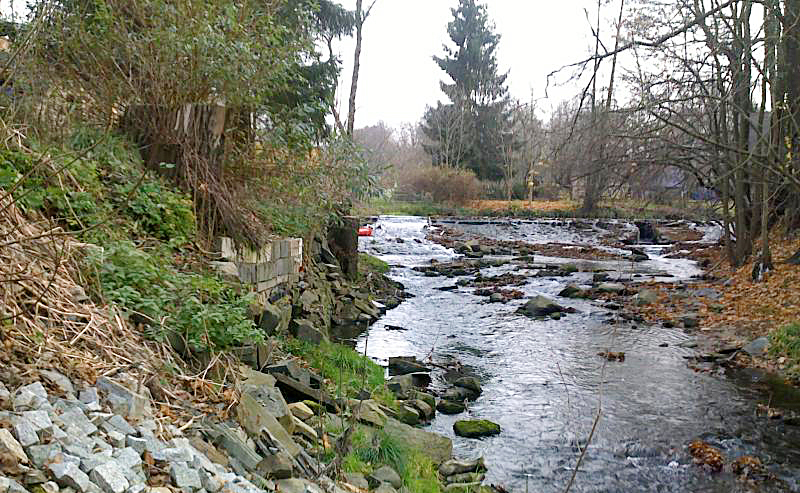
point(403, 365)
point(540, 306)
point(573, 291)
point(476, 428)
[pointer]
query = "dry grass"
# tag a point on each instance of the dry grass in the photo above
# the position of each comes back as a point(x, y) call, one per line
point(47, 322)
point(536, 205)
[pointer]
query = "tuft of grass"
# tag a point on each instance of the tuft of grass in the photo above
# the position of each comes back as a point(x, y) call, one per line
point(786, 342)
point(349, 370)
point(369, 263)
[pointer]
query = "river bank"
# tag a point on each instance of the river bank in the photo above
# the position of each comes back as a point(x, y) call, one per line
point(540, 375)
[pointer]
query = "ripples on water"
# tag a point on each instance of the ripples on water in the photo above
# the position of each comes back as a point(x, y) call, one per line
point(542, 382)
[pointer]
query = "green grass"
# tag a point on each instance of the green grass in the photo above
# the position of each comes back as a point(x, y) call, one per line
point(374, 264)
point(786, 342)
point(348, 370)
point(379, 206)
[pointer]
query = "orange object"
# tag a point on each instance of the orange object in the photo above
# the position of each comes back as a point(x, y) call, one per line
point(364, 231)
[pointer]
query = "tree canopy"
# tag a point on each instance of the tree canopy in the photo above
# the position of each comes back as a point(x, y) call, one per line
point(468, 131)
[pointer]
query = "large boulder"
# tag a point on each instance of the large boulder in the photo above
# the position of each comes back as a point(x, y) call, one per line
point(573, 291)
point(436, 447)
point(611, 287)
point(540, 306)
point(476, 428)
point(402, 365)
point(457, 466)
point(450, 407)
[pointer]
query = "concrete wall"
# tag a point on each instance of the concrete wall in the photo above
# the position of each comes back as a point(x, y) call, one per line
point(277, 263)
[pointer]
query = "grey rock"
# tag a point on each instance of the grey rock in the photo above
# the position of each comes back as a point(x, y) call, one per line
point(80, 451)
point(25, 432)
point(425, 410)
point(115, 438)
point(305, 331)
point(237, 449)
point(40, 455)
point(436, 447)
point(276, 466)
point(89, 463)
point(757, 347)
point(456, 466)
point(50, 487)
point(646, 297)
point(125, 401)
point(69, 475)
point(385, 474)
point(35, 476)
point(211, 482)
point(271, 400)
point(117, 423)
point(174, 454)
point(40, 420)
point(128, 458)
point(58, 380)
point(611, 287)
point(9, 445)
point(356, 479)
point(540, 306)
point(462, 488)
point(77, 419)
point(184, 477)
point(228, 271)
point(8, 485)
point(31, 397)
point(138, 488)
point(254, 415)
point(690, 320)
point(385, 488)
point(408, 415)
point(5, 395)
point(89, 395)
point(469, 383)
point(136, 443)
point(291, 485)
point(110, 477)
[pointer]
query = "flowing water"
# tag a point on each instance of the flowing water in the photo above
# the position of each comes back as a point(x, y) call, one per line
point(543, 381)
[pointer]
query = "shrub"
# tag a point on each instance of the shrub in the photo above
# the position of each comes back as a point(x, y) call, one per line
point(205, 311)
point(443, 185)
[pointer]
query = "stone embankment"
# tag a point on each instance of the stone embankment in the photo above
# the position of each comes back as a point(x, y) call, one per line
point(72, 438)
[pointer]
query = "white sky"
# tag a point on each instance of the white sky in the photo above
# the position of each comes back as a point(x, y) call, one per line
point(398, 77)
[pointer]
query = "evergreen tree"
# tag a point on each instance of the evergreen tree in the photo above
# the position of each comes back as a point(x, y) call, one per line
point(468, 130)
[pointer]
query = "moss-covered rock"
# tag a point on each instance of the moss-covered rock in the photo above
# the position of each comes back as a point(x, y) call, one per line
point(408, 415)
point(450, 407)
point(476, 428)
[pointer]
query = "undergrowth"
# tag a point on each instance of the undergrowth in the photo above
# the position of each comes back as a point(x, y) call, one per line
point(786, 342)
point(373, 264)
point(348, 371)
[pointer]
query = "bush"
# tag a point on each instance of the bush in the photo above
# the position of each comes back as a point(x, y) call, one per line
point(443, 185)
point(205, 311)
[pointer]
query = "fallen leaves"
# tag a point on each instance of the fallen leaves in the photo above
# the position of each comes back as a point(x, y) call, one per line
point(706, 455)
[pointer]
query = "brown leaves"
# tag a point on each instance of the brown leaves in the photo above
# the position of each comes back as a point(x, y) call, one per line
point(706, 455)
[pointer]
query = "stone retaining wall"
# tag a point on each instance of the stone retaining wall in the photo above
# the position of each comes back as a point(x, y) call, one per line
point(277, 263)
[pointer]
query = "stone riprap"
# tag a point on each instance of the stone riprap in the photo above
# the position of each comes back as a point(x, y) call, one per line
point(92, 444)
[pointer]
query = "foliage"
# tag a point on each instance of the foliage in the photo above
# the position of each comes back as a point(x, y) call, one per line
point(383, 449)
point(197, 306)
point(442, 185)
point(348, 370)
point(469, 130)
point(786, 342)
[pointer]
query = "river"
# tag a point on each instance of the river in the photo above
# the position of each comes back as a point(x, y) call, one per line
point(543, 381)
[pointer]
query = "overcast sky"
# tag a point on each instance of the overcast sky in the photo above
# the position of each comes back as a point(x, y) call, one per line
point(399, 78)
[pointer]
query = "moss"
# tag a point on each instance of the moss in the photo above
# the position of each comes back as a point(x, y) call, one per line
point(369, 263)
point(476, 428)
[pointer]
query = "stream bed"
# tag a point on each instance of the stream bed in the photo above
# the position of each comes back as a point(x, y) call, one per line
point(543, 381)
